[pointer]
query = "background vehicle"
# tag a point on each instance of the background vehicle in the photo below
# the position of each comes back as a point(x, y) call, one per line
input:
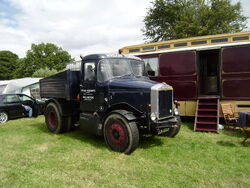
point(11, 106)
point(204, 72)
point(109, 99)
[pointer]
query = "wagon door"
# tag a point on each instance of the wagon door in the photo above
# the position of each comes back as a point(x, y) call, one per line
point(209, 72)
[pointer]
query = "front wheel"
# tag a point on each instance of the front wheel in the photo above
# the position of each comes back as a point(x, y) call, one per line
point(120, 134)
point(173, 131)
point(3, 117)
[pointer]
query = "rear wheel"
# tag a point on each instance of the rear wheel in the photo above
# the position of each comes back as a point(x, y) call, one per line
point(120, 134)
point(3, 117)
point(55, 122)
point(173, 131)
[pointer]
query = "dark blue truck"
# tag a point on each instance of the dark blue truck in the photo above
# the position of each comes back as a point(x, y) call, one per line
point(110, 96)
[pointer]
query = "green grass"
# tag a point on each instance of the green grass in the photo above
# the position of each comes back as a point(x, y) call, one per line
point(30, 156)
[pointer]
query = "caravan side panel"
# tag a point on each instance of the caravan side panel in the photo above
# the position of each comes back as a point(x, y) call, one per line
point(235, 73)
point(179, 70)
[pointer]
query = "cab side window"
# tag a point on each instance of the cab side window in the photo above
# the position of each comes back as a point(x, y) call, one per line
point(89, 71)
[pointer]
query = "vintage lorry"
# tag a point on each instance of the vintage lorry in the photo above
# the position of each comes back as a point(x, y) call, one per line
point(110, 97)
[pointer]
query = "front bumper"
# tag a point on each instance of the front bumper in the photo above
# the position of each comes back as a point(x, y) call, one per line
point(166, 123)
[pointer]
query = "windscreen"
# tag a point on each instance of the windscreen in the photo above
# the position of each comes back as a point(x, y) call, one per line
point(113, 68)
point(138, 67)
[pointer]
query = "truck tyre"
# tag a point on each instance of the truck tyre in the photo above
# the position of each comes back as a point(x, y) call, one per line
point(3, 117)
point(120, 134)
point(55, 122)
point(173, 131)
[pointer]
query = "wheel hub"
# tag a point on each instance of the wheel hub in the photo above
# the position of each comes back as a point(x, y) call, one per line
point(117, 134)
point(52, 119)
point(3, 117)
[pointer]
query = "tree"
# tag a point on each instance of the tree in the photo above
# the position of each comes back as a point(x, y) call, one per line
point(174, 19)
point(41, 56)
point(8, 62)
point(44, 72)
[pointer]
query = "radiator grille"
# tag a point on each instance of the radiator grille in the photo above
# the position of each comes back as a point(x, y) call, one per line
point(165, 103)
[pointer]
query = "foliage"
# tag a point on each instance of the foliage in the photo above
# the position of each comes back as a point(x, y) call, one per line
point(20, 70)
point(174, 19)
point(78, 159)
point(41, 56)
point(44, 72)
point(8, 61)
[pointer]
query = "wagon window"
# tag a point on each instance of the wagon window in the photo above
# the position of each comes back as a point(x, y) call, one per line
point(152, 65)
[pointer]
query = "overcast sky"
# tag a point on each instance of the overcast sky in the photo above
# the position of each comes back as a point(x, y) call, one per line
point(78, 26)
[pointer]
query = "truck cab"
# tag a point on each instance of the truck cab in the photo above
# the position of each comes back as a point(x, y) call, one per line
point(111, 96)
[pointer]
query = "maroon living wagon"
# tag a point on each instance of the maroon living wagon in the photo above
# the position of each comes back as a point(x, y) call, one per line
point(204, 72)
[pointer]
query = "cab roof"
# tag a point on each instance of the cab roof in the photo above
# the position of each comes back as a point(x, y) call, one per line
point(104, 56)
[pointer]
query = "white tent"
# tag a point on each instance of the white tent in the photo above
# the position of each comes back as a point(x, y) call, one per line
point(16, 85)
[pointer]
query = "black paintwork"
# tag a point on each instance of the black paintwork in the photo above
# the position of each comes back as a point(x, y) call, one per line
point(129, 91)
point(132, 91)
point(15, 109)
point(98, 99)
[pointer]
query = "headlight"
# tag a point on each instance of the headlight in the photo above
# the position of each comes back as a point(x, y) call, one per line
point(176, 112)
point(153, 116)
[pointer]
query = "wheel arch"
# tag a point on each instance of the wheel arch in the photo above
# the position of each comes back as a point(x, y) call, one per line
point(6, 111)
point(127, 114)
point(124, 109)
point(66, 108)
point(2, 110)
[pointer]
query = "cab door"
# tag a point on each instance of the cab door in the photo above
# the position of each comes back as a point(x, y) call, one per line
point(88, 87)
